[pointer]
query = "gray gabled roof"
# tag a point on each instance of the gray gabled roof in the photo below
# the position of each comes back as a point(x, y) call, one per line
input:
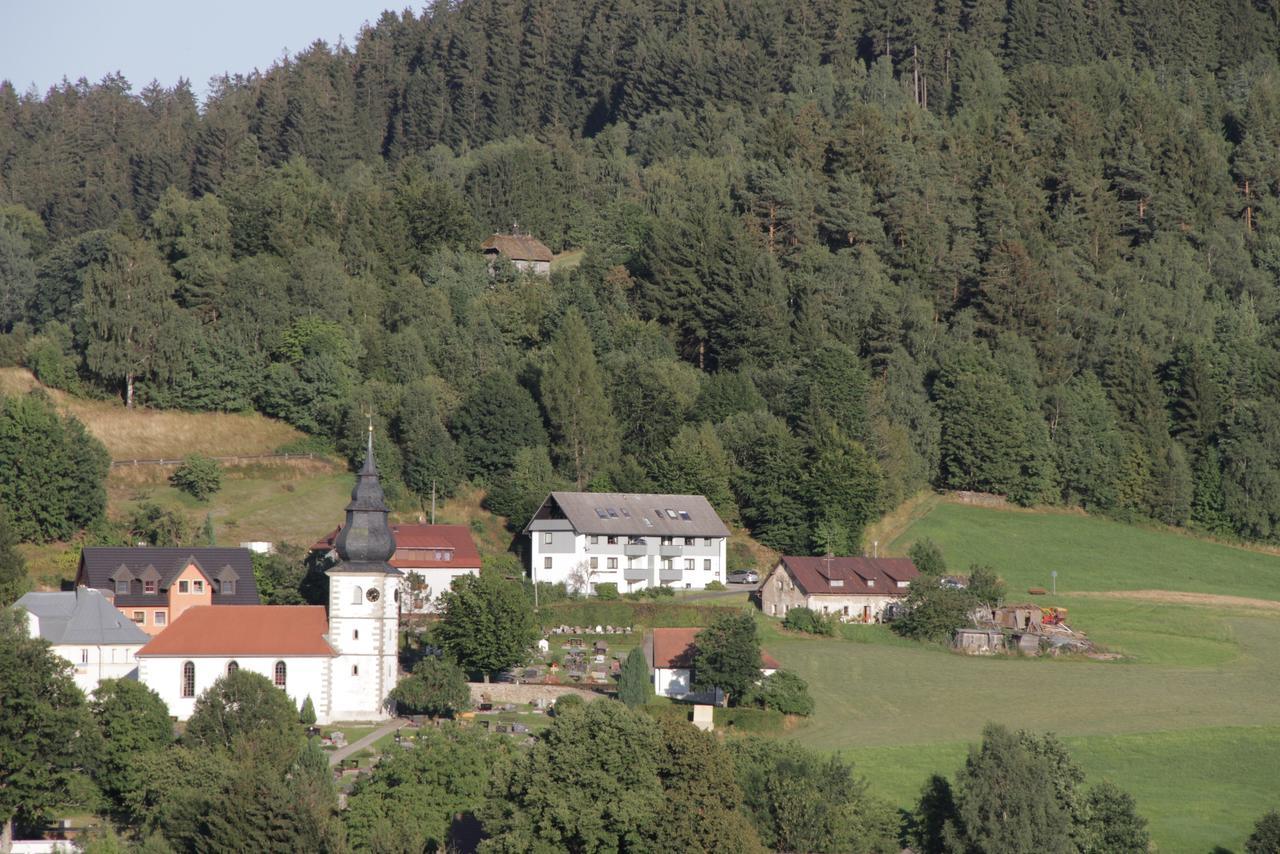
point(82, 616)
point(101, 566)
point(624, 514)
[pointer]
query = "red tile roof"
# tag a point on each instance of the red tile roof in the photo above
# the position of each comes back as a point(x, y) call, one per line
point(674, 648)
point(416, 546)
point(245, 630)
point(866, 576)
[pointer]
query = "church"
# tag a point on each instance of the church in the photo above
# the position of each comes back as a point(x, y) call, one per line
point(343, 657)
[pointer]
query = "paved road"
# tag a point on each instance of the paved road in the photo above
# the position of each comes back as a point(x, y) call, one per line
point(389, 727)
point(704, 595)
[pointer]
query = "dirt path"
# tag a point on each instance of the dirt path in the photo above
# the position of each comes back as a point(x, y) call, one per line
point(1174, 597)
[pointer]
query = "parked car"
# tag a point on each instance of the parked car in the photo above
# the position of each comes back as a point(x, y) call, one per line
point(744, 576)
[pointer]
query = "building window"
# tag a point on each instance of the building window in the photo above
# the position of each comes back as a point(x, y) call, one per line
point(227, 588)
point(355, 634)
point(140, 617)
point(595, 540)
point(184, 586)
point(84, 656)
point(547, 538)
point(613, 563)
point(122, 587)
point(666, 541)
point(706, 564)
point(197, 586)
point(613, 541)
point(546, 563)
point(280, 674)
point(188, 679)
point(595, 563)
point(355, 670)
point(161, 618)
point(149, 587)
point(357, 596)
point(232, 667)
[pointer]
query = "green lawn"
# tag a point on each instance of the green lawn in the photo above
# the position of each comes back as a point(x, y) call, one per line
point(1090, 553)
point(1188, 720)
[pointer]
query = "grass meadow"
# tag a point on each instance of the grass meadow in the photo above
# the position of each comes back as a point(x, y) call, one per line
point(1188, 720)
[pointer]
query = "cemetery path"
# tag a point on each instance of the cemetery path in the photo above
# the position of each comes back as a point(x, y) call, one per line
point(386, 729)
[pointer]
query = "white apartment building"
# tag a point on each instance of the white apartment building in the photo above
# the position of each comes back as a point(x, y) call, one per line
point(584, 539)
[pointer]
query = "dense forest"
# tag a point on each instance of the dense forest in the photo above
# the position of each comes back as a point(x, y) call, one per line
point(833, 252)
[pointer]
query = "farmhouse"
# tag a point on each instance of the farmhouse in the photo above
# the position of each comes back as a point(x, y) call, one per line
point(346, 661)
point(430, 556)
point(857, 589)
point(584, 539)
point(86, 629)
point(153, 586)
point(526, 252)
point(670, 654)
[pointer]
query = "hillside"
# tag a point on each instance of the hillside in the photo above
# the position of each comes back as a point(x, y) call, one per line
point(1196, 693)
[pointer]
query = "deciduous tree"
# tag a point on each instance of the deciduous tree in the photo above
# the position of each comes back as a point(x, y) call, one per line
point(487, 623)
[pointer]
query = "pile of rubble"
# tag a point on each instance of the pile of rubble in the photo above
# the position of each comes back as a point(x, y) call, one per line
point(1026, 629)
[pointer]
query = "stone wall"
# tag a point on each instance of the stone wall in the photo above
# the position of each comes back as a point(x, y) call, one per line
point(507, 692)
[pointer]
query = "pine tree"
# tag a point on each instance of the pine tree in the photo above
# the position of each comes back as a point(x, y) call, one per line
point(585, 434)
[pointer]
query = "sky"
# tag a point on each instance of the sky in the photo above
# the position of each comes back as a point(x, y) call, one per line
point(42, 41)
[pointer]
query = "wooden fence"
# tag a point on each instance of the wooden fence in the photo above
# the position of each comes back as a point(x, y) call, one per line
point(237, 460)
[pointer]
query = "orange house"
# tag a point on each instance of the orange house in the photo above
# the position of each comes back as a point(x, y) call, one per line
point(153, 586)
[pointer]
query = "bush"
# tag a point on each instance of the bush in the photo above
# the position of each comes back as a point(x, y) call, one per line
point(784, 692)
point(437, 688)
point(564, 703)
point(200, 477)
point(607, 591)
point(740, 556)
point(715, 585)
point(809, 621)
point(927, 556)
point(934, 613)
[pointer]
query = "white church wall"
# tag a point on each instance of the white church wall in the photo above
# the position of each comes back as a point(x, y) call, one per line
point(304, 675)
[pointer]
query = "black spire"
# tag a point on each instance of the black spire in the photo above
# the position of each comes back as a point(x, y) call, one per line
point(365, 542)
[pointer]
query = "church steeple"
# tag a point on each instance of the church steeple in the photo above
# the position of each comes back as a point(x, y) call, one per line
point(366, 542)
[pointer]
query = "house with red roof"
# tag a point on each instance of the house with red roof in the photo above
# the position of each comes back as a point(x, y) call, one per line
point(855, 589)
point(670, 654)
point(430, 556)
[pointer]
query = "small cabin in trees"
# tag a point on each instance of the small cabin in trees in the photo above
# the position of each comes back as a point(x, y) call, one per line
point(526, 252)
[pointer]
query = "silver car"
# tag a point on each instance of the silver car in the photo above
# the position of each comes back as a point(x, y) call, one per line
point(744, 576)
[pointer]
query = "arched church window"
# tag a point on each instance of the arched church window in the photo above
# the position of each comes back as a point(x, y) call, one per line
point(357, 596)
point(188, 679)
point(232, 667)
point(280, 674)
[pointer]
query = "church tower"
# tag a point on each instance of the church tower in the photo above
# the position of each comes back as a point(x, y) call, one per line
point(364, 592)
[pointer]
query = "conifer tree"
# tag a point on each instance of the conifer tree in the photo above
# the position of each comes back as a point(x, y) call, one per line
point(634, 684)
point(584, 431)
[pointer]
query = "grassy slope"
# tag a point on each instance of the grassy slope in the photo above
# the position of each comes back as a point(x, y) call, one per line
point(1091, 553)
point(1189, 722)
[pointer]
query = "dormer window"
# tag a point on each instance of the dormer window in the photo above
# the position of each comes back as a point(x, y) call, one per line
point(184, 586)
point(227, 588)
point(197, 586)
point(122, 587)
point(149, 587)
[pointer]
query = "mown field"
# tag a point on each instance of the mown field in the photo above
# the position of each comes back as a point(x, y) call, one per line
point(1188, 721)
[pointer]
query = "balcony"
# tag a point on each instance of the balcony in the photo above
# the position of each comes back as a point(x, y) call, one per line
point(639, 573)
point(670, 551)
point(671, 574)
point(635, 549)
